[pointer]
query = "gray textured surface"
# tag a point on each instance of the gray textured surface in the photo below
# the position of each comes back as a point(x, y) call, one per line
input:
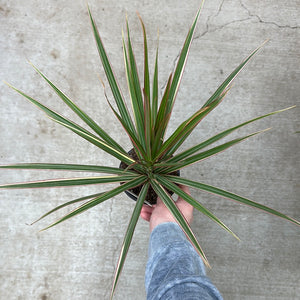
point(76, 259)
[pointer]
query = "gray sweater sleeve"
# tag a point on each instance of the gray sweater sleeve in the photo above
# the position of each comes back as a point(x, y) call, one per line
point(174, 269)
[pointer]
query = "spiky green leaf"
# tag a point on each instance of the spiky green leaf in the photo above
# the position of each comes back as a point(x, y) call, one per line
point(49, 112)
point(174, 188)
point(136, 102)
point(107, 195)
point(203, 155)
point(229, 195)
point(146, 64)
point(134, 72)
point(68, 182)
point(67, 204)
point(88, 120)
point(67, 167)
point(129, 234)
point(155, 89)
point(134, 139)
point(99, 143)
point(182, 60)
point(219, 136)
point(77, 129)
point(227, 82)
point(111, 77)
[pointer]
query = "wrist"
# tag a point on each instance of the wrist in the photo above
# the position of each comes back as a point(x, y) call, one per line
point(159, 221)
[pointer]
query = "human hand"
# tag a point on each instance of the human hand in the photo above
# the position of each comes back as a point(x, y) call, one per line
point(159, 213)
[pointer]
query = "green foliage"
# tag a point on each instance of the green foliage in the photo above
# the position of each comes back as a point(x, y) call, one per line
point(157, 156)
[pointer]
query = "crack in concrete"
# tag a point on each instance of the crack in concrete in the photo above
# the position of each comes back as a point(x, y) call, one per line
point(175, 61)
point(208, 30)
point(220, 27)
point(251, 15)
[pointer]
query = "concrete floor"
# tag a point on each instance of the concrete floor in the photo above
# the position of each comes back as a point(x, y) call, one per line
point(76, 259)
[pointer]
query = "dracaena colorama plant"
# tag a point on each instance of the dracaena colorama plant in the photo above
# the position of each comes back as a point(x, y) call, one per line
point(157, 156)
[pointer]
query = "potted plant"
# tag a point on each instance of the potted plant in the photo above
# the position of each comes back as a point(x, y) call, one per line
point(151, 167)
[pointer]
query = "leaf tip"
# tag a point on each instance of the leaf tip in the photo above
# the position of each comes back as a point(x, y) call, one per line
point(51, 225)
point(236, 237)
point(139, 16)
point(34, 222)
point(207, 264)
point(267, 129)
point(4, 81)
point(88, 8)
point(31, 63)
point(100, 79)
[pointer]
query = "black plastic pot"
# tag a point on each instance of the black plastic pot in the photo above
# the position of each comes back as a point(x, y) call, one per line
point(131, 195)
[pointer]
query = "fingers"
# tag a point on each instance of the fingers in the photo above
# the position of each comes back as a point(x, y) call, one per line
point(160, 211)
point(185, 207)
point(185, 189)
point(145, 216)
point(181, 201)
point(146, 212)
